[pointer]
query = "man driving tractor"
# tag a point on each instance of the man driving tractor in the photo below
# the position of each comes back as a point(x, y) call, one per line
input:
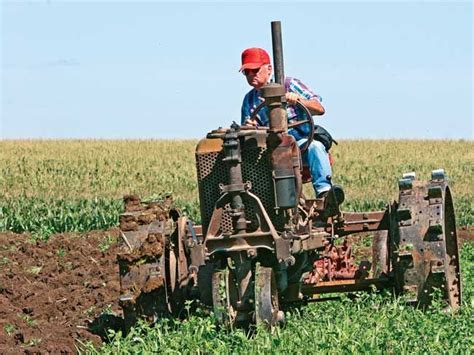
point(257, 69)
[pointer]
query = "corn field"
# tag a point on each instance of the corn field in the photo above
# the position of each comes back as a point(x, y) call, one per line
point(57, 186)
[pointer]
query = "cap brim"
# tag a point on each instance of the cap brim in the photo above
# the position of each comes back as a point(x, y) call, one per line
point(251, 66)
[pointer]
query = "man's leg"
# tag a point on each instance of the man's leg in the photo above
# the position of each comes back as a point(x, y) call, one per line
point(317, 159)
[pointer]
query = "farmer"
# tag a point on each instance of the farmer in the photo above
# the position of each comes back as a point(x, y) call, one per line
point(257, 69)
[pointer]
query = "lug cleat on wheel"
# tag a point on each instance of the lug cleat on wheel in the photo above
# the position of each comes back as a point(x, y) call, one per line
point(438, 175)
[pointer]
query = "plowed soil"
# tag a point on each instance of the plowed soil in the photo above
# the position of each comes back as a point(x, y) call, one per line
point(55, 295)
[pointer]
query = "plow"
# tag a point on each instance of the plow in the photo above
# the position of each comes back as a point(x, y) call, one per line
point(263, 246)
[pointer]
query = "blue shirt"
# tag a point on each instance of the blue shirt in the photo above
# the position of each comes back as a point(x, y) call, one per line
point(253, 99)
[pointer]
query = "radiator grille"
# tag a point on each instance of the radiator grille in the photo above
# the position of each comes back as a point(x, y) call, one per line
point(212, 171)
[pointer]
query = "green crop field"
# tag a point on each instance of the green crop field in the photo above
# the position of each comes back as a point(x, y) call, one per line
point(49, 187)
point(55, 186)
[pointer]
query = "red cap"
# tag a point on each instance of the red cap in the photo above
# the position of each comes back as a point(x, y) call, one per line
point(253, 58)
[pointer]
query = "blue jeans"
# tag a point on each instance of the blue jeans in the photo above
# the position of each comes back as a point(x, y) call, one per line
point(317, 160)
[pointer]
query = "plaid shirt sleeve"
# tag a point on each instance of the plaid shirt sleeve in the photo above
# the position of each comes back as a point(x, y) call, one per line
point(301, 89)
point(296, 86)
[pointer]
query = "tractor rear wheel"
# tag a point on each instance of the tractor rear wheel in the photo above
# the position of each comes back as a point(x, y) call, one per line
point(424, 248)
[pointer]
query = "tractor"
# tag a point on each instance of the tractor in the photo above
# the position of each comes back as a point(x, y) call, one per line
point(263, 246)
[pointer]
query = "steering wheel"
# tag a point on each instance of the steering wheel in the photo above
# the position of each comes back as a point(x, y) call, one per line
point(308, 120)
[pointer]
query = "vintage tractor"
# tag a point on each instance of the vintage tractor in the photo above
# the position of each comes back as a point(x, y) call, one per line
point(262, 245)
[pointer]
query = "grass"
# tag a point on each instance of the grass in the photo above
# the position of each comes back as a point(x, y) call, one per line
point(106, 243)
point(372, 323)
point(9, 329)
point(44, 217)
point(51, 187)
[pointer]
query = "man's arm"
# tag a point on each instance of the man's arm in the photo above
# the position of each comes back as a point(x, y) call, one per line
point(298, 91)
point(313, 105)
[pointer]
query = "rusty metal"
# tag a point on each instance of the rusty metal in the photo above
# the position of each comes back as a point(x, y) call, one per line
point(267, 309)
point(274, 96)
point(285, 160)
point(277, 126)
point(277, 45)
point(147, 277)
point(380, 254)
point(424, 247)
point(353, 285)
point(336, 263)
point(353, 222)
point(233, 159)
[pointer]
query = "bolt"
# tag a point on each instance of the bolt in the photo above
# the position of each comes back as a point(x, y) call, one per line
point(290, 261)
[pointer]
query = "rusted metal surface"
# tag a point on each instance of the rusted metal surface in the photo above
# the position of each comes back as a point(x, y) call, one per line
point(274, 95)
point(209, 145)
point(218, 242)
point(380, 254)
point(277, 46)
point(141, 267)
point(345, 286)
point(424, 246)
point(212, 173)
point(153, 264)
point(353, 222)
point(285, 161)
point(267, 309)
point(337, 263)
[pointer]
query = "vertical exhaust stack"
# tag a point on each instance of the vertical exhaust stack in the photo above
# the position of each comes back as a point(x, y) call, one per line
point(277, 45)
point(284, 153)
point(274, 93)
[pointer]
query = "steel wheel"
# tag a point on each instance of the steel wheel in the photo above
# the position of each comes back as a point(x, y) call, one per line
point(453, 287)
point(424, 247)
point(267, 312)
point(224, 296)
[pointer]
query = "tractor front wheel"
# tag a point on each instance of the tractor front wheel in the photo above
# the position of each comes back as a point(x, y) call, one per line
point(267, 312)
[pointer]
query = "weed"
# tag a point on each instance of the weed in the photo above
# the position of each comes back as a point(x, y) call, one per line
point(32, 342)
point(90, 311)
point(27, 319)
point(108, 310)
point(106, 243)
point(34, 270)
point(9, 328)
point(61, 253)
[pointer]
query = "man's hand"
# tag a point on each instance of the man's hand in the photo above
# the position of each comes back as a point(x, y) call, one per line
point(292, 97)
point(250, 122)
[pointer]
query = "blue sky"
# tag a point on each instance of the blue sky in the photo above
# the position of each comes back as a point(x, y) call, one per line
point(113, 69)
